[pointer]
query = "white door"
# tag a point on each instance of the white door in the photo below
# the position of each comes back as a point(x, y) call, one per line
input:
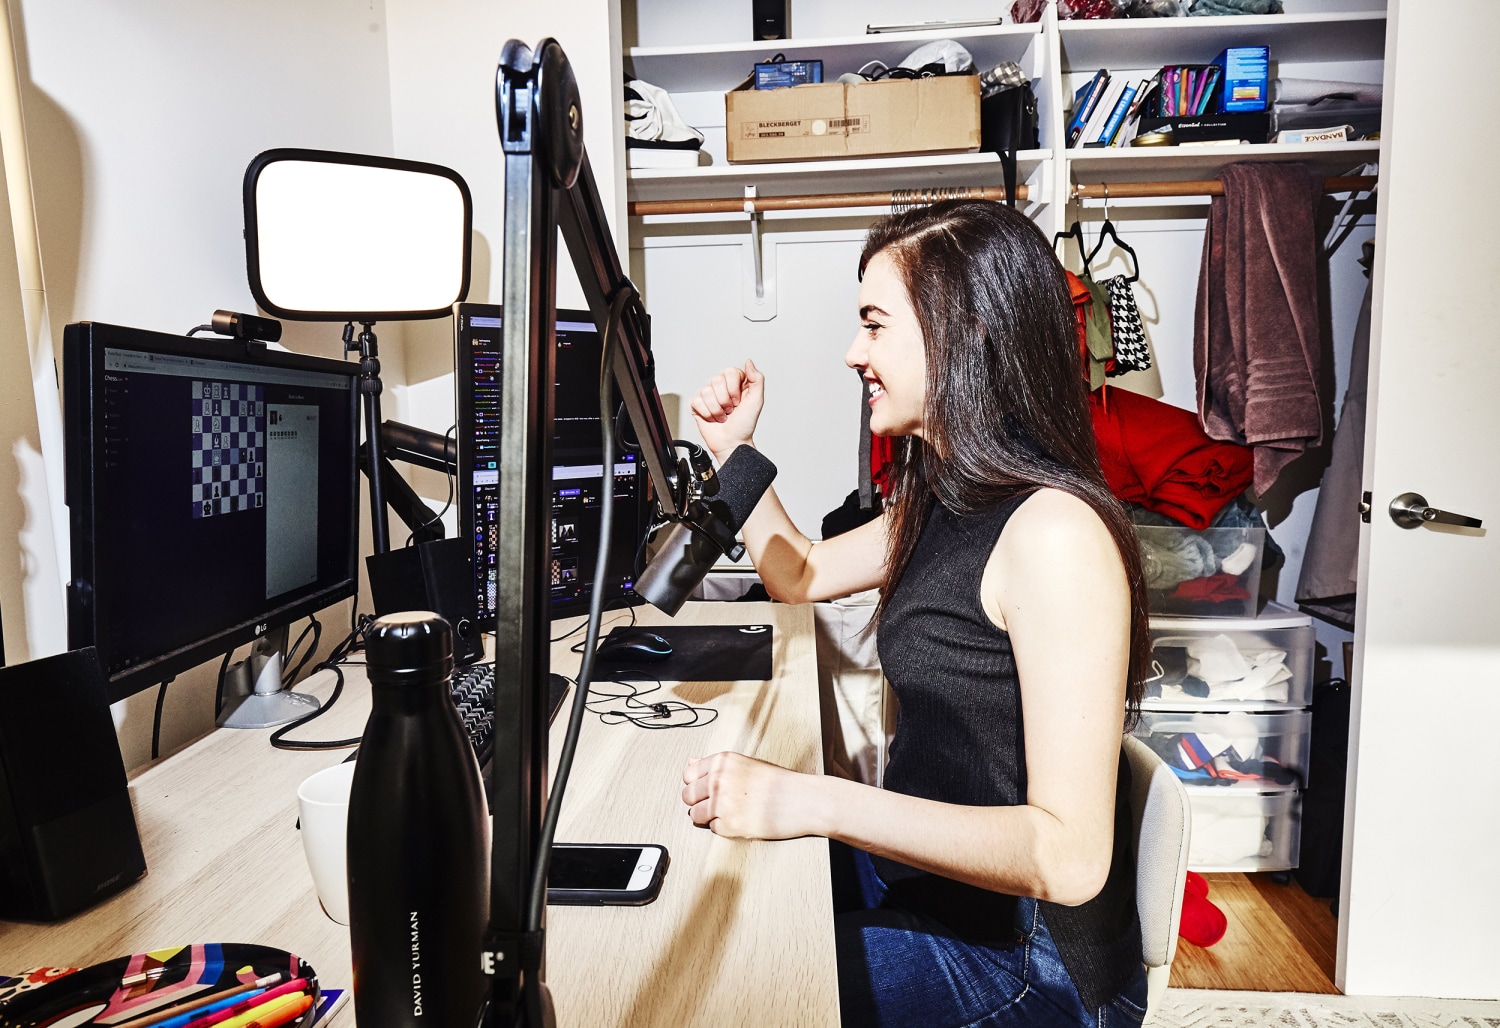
point(1420, 909)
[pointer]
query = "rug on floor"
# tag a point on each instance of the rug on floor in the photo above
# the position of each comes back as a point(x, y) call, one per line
point(1211, 1008)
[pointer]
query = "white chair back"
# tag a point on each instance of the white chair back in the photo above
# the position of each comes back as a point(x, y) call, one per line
point(1162, 825)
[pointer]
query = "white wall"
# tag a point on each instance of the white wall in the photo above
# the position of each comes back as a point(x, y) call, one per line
point(694, 281)
point(443, 57)
point(141, 117)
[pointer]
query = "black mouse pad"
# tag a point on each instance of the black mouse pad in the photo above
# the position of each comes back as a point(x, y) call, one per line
point(703, 653)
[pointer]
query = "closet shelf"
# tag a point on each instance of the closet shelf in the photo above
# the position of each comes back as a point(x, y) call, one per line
point(1089, 45)
point(833, 176)
point(719, 66)
point(1137, 164)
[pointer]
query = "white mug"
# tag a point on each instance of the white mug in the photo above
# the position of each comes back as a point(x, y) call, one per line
point(323, 800)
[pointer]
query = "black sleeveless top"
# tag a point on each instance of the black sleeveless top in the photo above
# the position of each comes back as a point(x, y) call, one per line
point(959, 740)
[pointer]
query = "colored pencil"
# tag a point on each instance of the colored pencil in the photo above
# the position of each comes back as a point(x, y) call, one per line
point(269, 1015)
point(186, 1018)
point(196, 1003)
point(295, 987)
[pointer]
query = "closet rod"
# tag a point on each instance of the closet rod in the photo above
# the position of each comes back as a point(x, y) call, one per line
point(1202, 187)
point(905, 197)
point(750, 205)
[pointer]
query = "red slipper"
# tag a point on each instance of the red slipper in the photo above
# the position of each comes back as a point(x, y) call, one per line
point(1202, 924)
point(1196, 885)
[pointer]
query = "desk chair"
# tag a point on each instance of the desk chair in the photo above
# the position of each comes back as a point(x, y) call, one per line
point(1161, 825)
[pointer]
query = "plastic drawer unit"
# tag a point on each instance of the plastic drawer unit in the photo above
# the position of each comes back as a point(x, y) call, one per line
point(1262, 663)
point(1245, 752)
point(1212, 573)
point(1238, 830)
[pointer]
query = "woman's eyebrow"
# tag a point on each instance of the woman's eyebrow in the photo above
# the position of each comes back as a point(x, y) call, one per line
point(867, 309)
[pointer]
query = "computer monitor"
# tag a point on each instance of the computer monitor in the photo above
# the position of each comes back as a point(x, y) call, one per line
point(577, 466)
point(211, 494)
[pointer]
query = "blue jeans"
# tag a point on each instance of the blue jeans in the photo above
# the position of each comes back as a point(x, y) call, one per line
point(899, 967)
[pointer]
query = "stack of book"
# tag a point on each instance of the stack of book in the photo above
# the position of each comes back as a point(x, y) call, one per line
point(1106, 110)
point(1186, 90)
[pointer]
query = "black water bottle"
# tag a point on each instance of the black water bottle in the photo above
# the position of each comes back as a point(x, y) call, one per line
point(417, 844)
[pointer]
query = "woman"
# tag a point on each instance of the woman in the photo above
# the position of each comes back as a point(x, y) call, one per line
point(990, 882)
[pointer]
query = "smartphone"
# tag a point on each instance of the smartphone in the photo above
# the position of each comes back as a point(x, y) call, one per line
point(589, 874)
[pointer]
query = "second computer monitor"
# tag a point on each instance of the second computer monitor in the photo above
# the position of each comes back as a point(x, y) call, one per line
point(578, 466)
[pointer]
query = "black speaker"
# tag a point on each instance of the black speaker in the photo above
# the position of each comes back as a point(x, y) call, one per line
point(771, 19)
point(436, 576)
point(67, 831)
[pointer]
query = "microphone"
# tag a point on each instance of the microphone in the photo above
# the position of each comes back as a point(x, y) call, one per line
point(688, 553)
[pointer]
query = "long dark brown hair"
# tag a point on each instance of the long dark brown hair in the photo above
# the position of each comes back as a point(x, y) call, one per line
point(1006, 407)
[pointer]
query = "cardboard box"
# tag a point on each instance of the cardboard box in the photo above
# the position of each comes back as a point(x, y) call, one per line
point(892, 116)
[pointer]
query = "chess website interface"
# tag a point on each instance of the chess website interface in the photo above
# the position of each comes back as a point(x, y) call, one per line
point(577, 472)
point(227, 488)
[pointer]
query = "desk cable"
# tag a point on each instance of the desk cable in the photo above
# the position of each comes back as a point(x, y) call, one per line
point(336, 658)
point(635, 711)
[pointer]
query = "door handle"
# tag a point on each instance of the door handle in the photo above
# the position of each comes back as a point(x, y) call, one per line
point(1410, 510)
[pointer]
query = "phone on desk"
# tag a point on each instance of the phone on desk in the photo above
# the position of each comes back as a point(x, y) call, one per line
point(592, 874)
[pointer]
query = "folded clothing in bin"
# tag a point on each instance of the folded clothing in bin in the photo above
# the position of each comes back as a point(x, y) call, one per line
point(1213, 668)
point(1202, 758)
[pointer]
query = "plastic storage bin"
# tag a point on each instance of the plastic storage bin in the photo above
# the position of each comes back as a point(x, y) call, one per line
point(1245, 831)
point(1251, 664)
point(1211, 573)
point(1249, 752)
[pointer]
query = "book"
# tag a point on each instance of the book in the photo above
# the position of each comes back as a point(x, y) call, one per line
point(1208, 90)
point(1117, 116)
point(1102, 112)
point(1083, 108)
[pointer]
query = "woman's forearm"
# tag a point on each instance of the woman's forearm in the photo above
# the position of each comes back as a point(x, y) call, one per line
point(1021, 850)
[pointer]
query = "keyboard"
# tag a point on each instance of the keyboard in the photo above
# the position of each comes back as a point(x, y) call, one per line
point(473, 691)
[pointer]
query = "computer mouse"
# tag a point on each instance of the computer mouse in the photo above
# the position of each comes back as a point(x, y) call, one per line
point(634, 644)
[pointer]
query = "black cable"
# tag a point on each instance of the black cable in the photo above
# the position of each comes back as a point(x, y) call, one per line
point(317, 630)
point(219, 692)
point(439, 515)
point(312, 650)
point(161, 698)
point(278, 737)
point(578, 647)
point(201, 328)
point(662, 711)
point(622, 418)
point(336, 657)
point(538, 898)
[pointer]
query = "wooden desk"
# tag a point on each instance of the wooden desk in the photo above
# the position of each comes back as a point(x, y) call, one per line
point(742, 932)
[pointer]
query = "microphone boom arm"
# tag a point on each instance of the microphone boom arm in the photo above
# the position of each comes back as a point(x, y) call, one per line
point(549, 186)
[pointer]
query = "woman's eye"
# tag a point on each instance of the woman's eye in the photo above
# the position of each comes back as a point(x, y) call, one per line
point(870, 326)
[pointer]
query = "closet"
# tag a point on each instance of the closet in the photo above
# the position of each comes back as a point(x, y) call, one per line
point(780, 286)
point(1425, 665)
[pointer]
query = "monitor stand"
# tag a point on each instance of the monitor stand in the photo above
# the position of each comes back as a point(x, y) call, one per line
point(254, 696)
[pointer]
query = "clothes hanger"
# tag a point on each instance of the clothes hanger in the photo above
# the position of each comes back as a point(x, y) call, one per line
point(1075, 231)
point(1109, 230)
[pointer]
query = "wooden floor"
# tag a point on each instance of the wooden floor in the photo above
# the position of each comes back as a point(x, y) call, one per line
point(1279, 939)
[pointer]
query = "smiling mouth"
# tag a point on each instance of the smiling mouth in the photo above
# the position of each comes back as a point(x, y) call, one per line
point(876, 390)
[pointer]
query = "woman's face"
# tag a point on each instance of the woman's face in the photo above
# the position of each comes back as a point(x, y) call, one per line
point(888, 351)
